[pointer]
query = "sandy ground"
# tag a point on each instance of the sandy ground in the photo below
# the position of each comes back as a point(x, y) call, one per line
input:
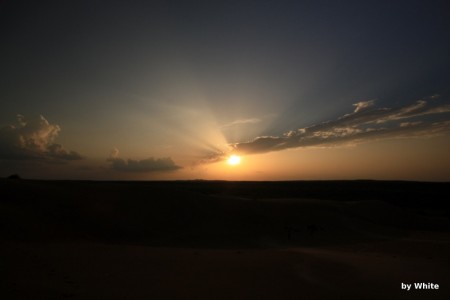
point(86, 270)
point(223, 240)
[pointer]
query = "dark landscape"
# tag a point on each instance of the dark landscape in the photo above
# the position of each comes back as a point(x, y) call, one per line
point(223, 240)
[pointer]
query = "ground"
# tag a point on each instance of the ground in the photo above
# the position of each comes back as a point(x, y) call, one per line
point(222, 240)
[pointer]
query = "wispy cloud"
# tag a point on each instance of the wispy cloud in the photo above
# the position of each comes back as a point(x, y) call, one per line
point(146, 165)
point(365, 123)
point(363, 105)
point(241, 122)
point(33, 139)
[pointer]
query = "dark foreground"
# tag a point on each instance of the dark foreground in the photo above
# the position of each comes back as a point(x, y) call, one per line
point(223, 240)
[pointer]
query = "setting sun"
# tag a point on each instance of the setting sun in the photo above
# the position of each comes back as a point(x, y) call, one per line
point(234, 160)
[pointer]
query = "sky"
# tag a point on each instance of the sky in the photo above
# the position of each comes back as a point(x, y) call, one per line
point(165, 90)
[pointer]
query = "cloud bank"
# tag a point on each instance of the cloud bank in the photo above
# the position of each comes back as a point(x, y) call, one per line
point(365, 123)
point(146, 165)
point(33, 139)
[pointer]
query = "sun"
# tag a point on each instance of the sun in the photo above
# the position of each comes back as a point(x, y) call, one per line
point(234, 160)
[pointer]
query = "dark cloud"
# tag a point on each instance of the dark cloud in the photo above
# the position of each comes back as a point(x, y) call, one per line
point(365, 123)
point(58, 151)
point(33, 139)
point(146, 165)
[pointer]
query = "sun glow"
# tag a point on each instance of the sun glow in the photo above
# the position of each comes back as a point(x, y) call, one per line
point(234, 160)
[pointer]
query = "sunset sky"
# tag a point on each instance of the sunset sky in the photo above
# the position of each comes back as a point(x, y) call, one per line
point(156, 90)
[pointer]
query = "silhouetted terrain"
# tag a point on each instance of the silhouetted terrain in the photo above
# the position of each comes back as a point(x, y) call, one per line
point(201, 213)
point(312, 234)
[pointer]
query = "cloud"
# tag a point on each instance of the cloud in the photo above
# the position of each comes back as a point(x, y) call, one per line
point(33, 139)
point(363, 105)
point(241, 122)
point(146, 165)
point(365, 123)
point(114, 154)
